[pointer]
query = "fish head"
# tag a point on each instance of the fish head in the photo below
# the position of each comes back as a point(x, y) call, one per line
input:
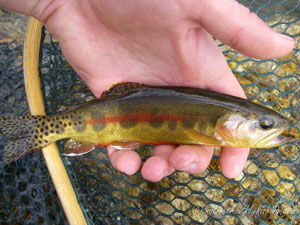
point(258, 129)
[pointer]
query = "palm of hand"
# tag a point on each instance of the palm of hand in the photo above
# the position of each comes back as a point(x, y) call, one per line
point(160, 44)
point(151, 44)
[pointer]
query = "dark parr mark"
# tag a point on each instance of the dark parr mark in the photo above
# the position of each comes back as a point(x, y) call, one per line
point(79, 124)
point(172, 125)
point(188, 124)
point(202, 126)
point(127, 124)
point(98, 126)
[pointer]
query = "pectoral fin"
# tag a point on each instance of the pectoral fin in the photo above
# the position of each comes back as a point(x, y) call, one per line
point(76, 148)
point(202, 139)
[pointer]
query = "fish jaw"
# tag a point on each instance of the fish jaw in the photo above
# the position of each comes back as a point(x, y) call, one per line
point(279, 140)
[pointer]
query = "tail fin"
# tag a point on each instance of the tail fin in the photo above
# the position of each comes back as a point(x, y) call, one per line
point(20, 137)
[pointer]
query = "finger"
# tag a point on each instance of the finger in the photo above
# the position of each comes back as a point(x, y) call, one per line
point(227, 84)
point(126, 161)
point(213, 71)
point(235, 25)
point(157, 167)
point(232, 161)
point(164, 150)
point(191, 159)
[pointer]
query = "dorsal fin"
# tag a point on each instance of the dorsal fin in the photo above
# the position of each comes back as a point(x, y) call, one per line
point(121, 89)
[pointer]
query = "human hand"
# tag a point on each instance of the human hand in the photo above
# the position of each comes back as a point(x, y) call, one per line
point(160, 43)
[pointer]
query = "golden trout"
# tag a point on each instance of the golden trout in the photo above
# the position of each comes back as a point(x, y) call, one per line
point(130, 114)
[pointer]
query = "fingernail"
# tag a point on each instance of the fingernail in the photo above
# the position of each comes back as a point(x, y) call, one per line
point(130, 172)
point(166, 173)
point(163, 175)
point(286, 37)
point(191, 167)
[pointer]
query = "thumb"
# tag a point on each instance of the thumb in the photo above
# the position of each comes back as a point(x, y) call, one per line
point(234, 25)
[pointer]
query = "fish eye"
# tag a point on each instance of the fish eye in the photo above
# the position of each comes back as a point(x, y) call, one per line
point(266, 122)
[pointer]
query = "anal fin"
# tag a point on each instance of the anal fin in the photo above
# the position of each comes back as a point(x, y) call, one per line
point(77, 148)
point(125, 145)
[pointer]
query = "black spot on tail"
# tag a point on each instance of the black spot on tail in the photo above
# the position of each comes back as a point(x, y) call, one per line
point(16, 149)
point(19, 136)
point(16, 127)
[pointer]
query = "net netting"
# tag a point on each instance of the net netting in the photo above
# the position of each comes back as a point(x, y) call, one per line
point(27, 193)
point(267, 192)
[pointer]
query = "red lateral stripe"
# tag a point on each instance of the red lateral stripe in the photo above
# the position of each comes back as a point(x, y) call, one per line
point(149, 117)
point(144, 143)
point(152, 143)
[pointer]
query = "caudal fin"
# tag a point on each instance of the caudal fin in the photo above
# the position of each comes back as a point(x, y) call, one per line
point(20, 137)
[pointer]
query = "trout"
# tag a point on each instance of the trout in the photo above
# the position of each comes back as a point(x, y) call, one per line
point(130, 114)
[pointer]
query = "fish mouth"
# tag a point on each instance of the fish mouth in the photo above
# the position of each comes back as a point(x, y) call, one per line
point(274, 140)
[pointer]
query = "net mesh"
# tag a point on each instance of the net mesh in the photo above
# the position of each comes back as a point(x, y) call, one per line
point(27, 192)
point(267, 192)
